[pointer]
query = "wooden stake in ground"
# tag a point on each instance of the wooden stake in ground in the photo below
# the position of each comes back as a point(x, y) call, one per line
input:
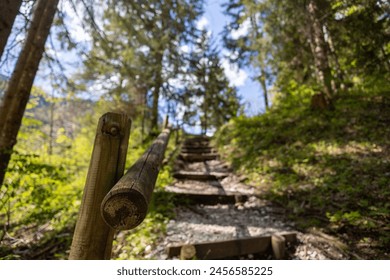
point(278, 246)
point(92, 239)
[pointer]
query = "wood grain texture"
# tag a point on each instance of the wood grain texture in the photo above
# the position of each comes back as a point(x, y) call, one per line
point(278, 246)
point(126, 205)
point(92, 238)
point(231, 248)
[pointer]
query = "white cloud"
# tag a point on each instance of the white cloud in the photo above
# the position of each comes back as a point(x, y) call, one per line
point(202, 23)
point(236, 76)
point(242, 30)
point(185, 49)
point(144, 49)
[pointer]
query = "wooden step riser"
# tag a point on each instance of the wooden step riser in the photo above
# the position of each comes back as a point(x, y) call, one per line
point(195, 177)
point(198, 151)
point(197, 158)
point(195, 141)
point(196, 147)
point(232, 248)
point(207, 199)
point(199, 176)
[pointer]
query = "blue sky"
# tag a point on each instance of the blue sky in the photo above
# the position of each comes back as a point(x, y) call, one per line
point(249, 90)
point(214, 20)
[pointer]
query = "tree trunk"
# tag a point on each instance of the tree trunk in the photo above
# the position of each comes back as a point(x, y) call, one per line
point(51, 130)
point(263, 77)
point(205, 101)
point(156, 92)
point(8, 12)
point(264, 86)
point(19, 87)
point(339, 81)
point(144, 105)
point(318, 46)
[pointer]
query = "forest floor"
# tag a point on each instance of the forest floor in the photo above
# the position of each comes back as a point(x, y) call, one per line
point(328, 170)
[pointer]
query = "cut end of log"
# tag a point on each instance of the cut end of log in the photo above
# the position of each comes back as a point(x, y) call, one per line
point(124, 210)
point(187, 252)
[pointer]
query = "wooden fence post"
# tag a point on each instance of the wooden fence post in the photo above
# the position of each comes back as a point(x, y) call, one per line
point(92, 239)
point(126, 205)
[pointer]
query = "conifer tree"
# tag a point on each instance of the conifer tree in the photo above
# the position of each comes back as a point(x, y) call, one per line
point(141, 46)
point(219, 101)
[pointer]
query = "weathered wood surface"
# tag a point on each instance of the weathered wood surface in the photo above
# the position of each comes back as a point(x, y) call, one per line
point(207, 199)
point(200, 176)
point(196, 145)
point(92, 238)
point(278, 243)
point(187, 252)
point(198, 150)
point(126, 205)
point(230, 248)
point(198, 157)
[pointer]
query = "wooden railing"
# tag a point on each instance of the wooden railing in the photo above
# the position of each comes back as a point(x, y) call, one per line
point(111, 201)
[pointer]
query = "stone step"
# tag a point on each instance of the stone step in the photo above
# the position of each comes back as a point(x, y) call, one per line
point(200, 176)
point(198, 157)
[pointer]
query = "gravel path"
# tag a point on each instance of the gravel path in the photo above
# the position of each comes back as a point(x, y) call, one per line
point(250, 218)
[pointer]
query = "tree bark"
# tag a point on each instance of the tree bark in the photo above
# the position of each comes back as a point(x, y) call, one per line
point(339, 81)
point(264, 86)
point(263, 74)
point(19, 87)
point(156, 92)
point(8, 12)
point(319, 50)
point(206, 98)
point(92, 238)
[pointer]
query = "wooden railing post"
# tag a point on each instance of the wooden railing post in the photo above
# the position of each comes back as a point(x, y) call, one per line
point(92, 238)
point(126, 205)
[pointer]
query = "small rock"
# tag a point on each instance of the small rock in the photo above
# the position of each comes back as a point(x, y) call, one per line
point(148, 249)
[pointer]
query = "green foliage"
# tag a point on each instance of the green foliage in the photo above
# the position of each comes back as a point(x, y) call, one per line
point(328, 168)
point(292, 42)
point(40, 199)
point(138, 55)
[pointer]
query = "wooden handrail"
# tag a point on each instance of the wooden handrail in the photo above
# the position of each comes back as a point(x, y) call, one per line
point(126, 205)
